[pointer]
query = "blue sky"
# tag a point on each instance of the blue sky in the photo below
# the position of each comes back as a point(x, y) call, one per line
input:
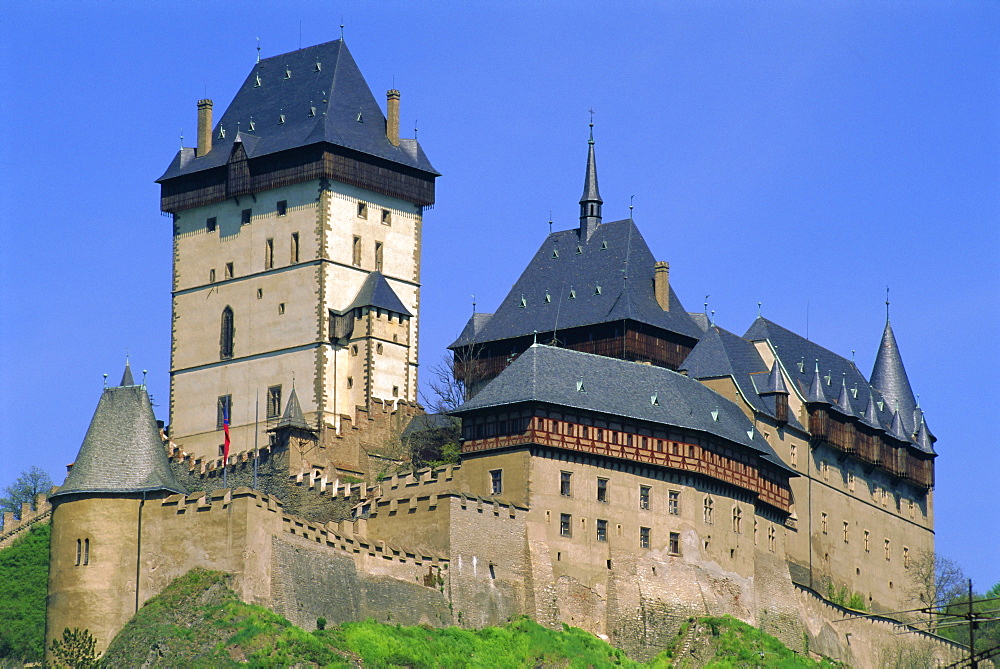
point(801, 155)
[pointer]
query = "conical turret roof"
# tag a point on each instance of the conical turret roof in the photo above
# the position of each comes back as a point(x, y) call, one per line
point(775, 380)
point(127, 379)
point(889, 378)
point(816, 393)
point(293, 416)
point(844, 399)
point(122, 451)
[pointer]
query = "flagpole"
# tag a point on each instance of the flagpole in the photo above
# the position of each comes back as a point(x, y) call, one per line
point(256, 429)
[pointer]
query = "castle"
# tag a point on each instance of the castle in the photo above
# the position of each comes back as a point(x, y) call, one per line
point(625, 463)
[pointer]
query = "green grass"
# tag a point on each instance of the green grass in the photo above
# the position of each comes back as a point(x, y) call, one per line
point(198, 621)
point(24, 579)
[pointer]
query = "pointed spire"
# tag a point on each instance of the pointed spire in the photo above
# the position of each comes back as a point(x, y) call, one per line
point(889, 378)
point(923, 437)
point(590, 202)
point(816, 387)
point(293, 416)
point(897, 428)
point(127, 379)
point(775, 380)
point(844, 401)
point(871, 417)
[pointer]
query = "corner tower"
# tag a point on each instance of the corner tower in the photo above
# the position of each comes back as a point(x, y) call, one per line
point(297, 226)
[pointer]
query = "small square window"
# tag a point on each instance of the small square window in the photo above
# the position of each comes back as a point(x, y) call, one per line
point(350, 382)
point(362, 210)
point(210, 224)
point(643, 537)
point(602, 530)
point(395, 391)
point(229, 270)
point(281, 308)
point(565, 525)
point(386, 217)
point(496, 481)
point(245, 216)
point(282, 207)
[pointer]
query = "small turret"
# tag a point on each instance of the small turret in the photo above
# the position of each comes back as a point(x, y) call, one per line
point(889, 378)
point(590, 202)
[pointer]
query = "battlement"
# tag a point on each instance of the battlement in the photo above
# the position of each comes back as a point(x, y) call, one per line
point(14, 528)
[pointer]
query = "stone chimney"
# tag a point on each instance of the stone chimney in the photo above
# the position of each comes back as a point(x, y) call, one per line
point(392, 116)
point(661, 284)
point(204, 127)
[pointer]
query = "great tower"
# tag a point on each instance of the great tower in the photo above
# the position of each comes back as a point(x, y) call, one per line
point(296, 263)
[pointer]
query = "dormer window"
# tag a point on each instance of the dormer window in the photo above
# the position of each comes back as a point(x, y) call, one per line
point(359, 119)
point(312, 111)
point(319, 66)
point(288, 73)
point(222, 133)
point(281, 119)
point(252, 126)
point(597, 290)
point(256, 83)
point(572, 294)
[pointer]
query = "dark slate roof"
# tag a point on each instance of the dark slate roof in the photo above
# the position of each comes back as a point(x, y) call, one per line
point(590, 190)
point(376, 292)
point(721, 353)
point(430, 421)
point(338, 92)
point(776, 380)
point(566, 262)
point(889, 378)
point(801, 358)
point(619, 388)
point(122, 451)
point(293, 416)
point(700, 319)
point(470, 333)
point(127, 379)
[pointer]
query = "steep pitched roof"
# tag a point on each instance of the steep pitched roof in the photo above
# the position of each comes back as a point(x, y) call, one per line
point(721, 353)
point(376, 292)
point(889, 378)
point(127, 379)
point(321, 98)
point(122, 451)
point(293, 416)
point(619, 388)
point(470, 333)
point(573, 281)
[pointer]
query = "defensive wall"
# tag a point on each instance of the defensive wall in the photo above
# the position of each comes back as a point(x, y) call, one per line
point(14, 528)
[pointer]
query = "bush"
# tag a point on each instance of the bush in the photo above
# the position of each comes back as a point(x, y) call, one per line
point(24, 580)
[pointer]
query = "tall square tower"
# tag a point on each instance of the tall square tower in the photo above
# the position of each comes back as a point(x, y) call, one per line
point(296, 261)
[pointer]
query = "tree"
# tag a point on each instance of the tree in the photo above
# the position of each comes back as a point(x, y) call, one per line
point(935, 580)
point(24, 490)
point(76, 650)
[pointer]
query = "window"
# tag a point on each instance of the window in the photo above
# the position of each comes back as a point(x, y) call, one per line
point(211, 276)
point(356, 252)
point(245, 216)
point(295, 247)
point(754, 531)
point(674, 502)
point(737, 520)
point(260, 293)
point(79, 551)
point(912, 507)
point(395, 391)
point(565, 525)
point(643, 537)
point(86, 551)
point(210, 224)
point(223, 410)
point(350, 382)
point(226, 334)
point(888, 551)
point(229, 270)
point(771, 539)
point(496, 481)
point(602, 530)
point(362, 210)
point(602, 490)
point(268, 254)
point(794, 455)
point(674, 546)
point(281, 308)
point(644, 497)
point(378, 348)
point(823, 523)
point(867, 543)
point(850, 481)
point(709, 504)
point(282, 207)
point(824, 469)
point(274, 401)
point(386, 217)
point(566, 484)
point(378, 256)
point(847, 527)
point(906, 557)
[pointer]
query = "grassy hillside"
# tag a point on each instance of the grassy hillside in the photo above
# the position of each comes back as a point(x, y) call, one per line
point(24, 577)
point(199, 622)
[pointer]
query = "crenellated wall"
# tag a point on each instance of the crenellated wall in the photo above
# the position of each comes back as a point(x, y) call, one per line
point(13, 528)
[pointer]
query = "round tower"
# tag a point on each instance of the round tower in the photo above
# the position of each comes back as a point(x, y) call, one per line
point(97, 516)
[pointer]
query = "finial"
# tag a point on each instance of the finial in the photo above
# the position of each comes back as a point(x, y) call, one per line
point(105, 380)
point(182, 138)
point(758, 309)
point(414, 129)
point(341, 28)
point(887, 303)
point(852, 355)
point(713, 316)
point(473, 305)
point(535, 335)
point(144, 377)
point(706, 304)
point(550, 221)
point(258, 49)
point(591, 110)
point(630, 198)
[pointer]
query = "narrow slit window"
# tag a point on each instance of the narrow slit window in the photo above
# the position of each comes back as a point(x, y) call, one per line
point(386, 217)
point(362, 210)
point(274, 401)
point(268, 254)
point(211, 224)
point(295, 247)
point(245, 216)
point(86, 551)
point(282, 207)
point(356, 252)
point(378, 256)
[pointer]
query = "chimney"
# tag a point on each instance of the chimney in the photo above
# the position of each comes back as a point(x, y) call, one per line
point(661, 284)
point(204, 127)
point(392, 116)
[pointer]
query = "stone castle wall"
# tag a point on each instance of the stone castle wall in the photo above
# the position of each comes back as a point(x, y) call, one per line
point(14, 528)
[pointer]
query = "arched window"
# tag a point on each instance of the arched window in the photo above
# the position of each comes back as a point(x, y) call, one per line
point(226, 334)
